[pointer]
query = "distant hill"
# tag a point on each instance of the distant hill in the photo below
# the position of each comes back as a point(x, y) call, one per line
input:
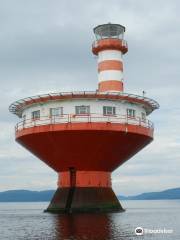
point(167, 194)
point(43, 196)
point(26, 196)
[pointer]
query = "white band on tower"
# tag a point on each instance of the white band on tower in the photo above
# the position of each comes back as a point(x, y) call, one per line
point(109, 55)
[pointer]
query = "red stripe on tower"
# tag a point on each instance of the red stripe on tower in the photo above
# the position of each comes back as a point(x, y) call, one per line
point(110, 65)
point(111, 85)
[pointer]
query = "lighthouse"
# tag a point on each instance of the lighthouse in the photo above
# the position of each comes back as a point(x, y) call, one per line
point(84, 136)
point(110, 47)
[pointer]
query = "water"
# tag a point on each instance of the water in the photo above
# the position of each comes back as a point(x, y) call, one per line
point(27, 221)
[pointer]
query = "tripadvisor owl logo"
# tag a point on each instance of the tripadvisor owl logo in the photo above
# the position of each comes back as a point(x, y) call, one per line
point(139, 231)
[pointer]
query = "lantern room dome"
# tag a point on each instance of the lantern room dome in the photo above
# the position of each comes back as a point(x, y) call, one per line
point(109, 30)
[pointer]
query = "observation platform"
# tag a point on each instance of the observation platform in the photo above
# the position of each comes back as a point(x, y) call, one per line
point(114, 121)
point(18, 106)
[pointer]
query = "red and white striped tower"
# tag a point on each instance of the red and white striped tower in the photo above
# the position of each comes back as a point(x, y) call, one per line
point(110, 47)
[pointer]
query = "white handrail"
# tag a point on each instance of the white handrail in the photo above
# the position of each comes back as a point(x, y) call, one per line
point(83, 118)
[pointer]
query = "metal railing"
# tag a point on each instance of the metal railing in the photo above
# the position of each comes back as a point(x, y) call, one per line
point(82, 118)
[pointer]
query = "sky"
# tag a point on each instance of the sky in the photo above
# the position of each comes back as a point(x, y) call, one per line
point(45, 46)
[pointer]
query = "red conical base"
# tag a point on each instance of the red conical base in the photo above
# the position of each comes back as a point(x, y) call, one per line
point(84, 155)
point(85, 146)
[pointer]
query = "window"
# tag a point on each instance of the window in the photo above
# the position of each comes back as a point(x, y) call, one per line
point(56, 111)
point(131, 112)
point(143, 116)
point(24, 119)
point(107, 110)
point(82, 109)
point(36, 115)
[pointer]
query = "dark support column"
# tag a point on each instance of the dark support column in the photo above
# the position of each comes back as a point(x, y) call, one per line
point(85, 199)
point(84, 191)
point(72, 172)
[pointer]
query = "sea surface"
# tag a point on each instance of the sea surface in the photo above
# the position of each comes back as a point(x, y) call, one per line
point(28, 221)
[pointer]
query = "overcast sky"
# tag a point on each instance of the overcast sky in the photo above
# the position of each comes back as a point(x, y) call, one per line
point(45, 46)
